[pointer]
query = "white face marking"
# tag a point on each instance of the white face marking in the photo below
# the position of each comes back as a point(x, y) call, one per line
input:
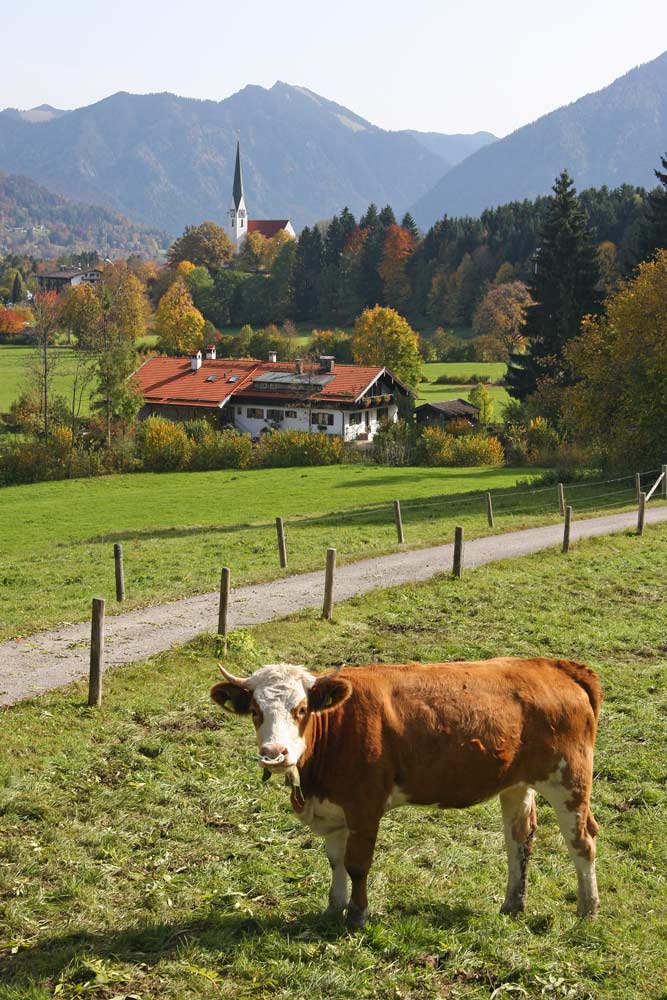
point(397, 797)
point(278, 689)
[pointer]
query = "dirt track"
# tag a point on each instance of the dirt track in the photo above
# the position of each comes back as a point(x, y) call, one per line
point(51, 659)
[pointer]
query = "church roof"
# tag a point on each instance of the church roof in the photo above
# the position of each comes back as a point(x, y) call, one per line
point(267, 227)
point(237, 190)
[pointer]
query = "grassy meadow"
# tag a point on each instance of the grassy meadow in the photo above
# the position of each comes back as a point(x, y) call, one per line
point(141, 856)
point(15, 364)
point(178, 529)
point(431, 393)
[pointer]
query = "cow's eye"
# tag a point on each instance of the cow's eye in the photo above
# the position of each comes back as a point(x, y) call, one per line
point(301, 712)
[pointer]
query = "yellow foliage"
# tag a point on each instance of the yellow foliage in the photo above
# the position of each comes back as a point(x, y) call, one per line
point(178, 323)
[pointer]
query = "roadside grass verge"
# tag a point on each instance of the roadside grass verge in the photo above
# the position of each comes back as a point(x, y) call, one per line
point(141, 854)
point(178, 529)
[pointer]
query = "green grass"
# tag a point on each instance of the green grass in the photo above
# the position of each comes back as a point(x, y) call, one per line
point(178, 529)
point(141, 855)
point(15, 364)
point(431, 393)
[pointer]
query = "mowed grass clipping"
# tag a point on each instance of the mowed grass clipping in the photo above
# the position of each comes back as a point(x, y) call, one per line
point(142, 856)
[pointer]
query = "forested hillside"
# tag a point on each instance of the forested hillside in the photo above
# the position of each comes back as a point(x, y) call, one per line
point(36, 222)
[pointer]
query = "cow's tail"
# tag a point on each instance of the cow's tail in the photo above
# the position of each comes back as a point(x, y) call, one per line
point(585, 678)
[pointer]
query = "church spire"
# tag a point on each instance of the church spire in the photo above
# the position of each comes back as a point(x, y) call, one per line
point(237, 190)
point(238, 214)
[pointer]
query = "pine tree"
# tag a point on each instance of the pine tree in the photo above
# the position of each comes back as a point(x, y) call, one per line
point(17, 289)
point(654, 231)
point(409, 223)
point(563, 288)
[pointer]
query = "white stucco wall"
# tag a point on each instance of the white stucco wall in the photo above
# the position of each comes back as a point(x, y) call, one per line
point(341, 420)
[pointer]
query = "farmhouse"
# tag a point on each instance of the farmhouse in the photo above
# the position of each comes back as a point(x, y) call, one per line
point(56, 281)
point(351, 401)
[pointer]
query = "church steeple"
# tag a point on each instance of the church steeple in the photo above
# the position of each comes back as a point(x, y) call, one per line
point(238, 214)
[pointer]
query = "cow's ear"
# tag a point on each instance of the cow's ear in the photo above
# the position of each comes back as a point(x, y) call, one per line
point(232, 697)
point(328, 693)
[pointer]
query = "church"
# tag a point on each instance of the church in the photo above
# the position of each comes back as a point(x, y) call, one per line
point(240, 225)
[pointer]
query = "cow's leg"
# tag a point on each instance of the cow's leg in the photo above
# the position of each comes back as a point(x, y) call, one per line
point(334, 845)
point(579, 829)
point(358, 860)
point(520, 823)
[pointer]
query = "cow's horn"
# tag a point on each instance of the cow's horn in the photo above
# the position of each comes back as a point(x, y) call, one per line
point(331, 673)
point(241, 681)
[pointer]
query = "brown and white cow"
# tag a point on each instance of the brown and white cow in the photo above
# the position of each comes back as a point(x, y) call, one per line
point(367, 739)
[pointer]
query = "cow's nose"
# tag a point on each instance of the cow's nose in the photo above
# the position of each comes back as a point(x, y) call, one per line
point(273, 753)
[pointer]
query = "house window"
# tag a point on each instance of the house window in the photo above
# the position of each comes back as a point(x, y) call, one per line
point(383, 412)
point(241, 223)
point(325, 419)
point(254, 413)
point(274, 414)
point(356, 418)
point(239, 411)
point(291, 414)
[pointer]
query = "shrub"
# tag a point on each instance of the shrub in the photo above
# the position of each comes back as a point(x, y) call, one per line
point(227, 449)
point(395, 444)
point(440, 448)
point(279, 449)
point(164, 445)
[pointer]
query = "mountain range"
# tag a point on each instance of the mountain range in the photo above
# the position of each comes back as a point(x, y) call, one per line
point(167, 161)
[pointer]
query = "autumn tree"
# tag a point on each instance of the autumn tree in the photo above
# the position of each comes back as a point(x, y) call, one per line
point(178, 323)
point(480, 397)
point(81, 314)
point(499, 320)
point(13, 321)
point(123, 315)
point(252, 253)
point(398, 247)
point(620, 365)
point(381, 336)
point(18, 290)
point(207, 245)
point(563, 290)
point(46, 310)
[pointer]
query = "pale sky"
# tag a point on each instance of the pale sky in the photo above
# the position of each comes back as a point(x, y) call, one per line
point(434, 65)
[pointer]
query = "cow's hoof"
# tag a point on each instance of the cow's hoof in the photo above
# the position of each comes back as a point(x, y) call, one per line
point(589, 911)
point(356, 918)
point(335, 909)
point(513, 907)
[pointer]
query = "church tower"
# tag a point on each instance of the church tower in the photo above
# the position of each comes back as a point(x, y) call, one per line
point(238, 215)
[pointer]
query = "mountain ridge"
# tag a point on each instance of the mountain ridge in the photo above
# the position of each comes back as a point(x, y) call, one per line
point(167, 161)
point(611, 136)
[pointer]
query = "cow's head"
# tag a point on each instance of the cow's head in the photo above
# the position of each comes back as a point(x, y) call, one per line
point(281, 698)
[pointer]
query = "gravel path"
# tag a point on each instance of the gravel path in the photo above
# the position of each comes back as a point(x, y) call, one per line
point(49, 660)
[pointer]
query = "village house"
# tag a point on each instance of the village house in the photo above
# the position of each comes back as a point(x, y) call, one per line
point(443, 413)
point(351, 401)
point(56, 281)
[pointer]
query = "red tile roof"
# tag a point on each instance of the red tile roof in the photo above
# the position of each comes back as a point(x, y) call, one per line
point(172, 381)
point(267, 227)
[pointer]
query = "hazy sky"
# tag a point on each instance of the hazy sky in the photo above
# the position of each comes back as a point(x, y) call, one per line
point(441, 65)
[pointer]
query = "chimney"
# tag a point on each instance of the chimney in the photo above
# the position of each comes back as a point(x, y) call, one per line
point(298, 366)
point(327, 362)
point(273, 357)
point(211, 352)
point(195, 361)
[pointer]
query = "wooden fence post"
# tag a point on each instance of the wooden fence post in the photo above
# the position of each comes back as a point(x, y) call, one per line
point(561, 499)
point(223, 610)
point(399, 521)
point(120, 572)
point(641, 513)
point(329, 578)
point(638, 483)
point(664, 482)
point(566, 529)
point(458, 551)
point(489, 509)
point(96, 653)
point(282, 547)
